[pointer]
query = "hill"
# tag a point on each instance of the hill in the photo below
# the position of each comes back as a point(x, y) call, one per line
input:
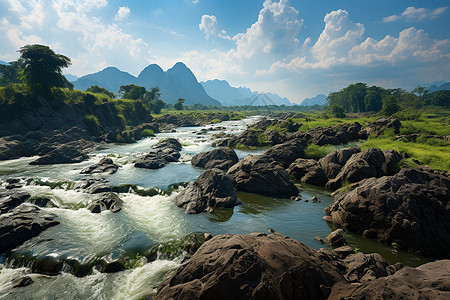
point(230, 96)
point(442, 86)
point(177, 82)
point(320, 99)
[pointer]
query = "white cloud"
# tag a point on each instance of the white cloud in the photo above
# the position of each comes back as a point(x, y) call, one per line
point(122, 13)
point(416, 14)
point(210, 27)
point(195, 1)
point(338, 37)
point(73, 28)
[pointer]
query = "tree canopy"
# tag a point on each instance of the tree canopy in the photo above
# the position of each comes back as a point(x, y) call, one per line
point(99, 89)
point(41, 68)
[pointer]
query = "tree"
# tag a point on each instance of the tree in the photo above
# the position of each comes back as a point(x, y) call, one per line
point(390, 105)
point(337, 110)
point(41, 68)
point(131, 91)
point(157, 106)
point(101, 90)
point(372, 101)
point(179, 104)
point(420, 91)
point(10, 73)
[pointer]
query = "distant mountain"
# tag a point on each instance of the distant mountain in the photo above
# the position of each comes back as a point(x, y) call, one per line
point(3, 62)
point(228, 95)
point(71, 77)
point(320, 99)
point(442, 85)
point(177, 82)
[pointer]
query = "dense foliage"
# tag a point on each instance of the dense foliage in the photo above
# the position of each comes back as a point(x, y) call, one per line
point(359, 97)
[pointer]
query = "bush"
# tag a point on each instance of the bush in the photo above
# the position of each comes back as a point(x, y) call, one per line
point(147, 133)
point(92, 124)
point(316, 152)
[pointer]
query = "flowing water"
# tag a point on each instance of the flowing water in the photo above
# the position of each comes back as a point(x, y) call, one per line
point(145, 221)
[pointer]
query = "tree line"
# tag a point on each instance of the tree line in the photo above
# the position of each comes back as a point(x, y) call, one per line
point(359, 97)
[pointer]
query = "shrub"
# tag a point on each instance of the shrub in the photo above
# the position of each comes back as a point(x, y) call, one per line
point(317, 152)
point(147, 133)
point(92, 124)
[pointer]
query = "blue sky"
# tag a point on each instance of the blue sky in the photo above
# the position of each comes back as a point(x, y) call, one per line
point(296, 49)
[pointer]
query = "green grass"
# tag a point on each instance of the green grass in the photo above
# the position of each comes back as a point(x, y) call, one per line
point(317, 152)
point(436, 156)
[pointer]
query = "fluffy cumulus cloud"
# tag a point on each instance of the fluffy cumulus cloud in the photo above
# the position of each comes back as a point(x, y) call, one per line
point(122, 13)
point(416, 14)
point(210, 27)
point(270, 53)
point(73, 28)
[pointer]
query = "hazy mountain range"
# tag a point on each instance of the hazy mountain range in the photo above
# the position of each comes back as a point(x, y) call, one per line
point(229, 96)
point(177, 82)
point(320, 99)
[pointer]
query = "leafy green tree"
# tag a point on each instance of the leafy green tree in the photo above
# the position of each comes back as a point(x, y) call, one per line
point(152, 95)
point(131, 91)
point(421, 92)
point(179, 104)
point(372, 101)
point(337, 110)
point(157, 106)
point(10, 73)
point(41, 68)
point(390, 105)
point(100, 90)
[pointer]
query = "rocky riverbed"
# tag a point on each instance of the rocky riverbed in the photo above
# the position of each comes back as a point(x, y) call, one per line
point(116, 221)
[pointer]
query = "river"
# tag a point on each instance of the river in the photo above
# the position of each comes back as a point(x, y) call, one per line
point(145, 221)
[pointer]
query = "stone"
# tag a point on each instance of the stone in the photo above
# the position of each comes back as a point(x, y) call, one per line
point(213, 189)
point(23, 223)
point(62, 154)
point(259, 174)
point(308, 171)
point(106, 201)
point(335, 160)
point(252, 266)
point(336, 238)
point(409, 208)
point(286, 153)
point(105, 165)
point(220, 158)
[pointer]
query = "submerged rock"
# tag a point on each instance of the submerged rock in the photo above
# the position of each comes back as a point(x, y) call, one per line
point(258, 174)
point(409, 209)
point(220, 158)
point(213, 189)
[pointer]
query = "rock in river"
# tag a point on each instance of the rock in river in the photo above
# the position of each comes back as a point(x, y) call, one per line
point(259, 174)
point(410, 209)
point(222, 158)
point(252, 266)
point(21, 224)
point(105, 165)
point(214, 188)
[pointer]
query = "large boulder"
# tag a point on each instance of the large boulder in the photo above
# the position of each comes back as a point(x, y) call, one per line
point(287, 152)
point(10, 200)
point(213, 189)
point(168, 150)
point(429, 281)
point(105, 165)
point(409, 209)
point(378, 126)
point(341, 133)
point(259, 174)
point(308, 171)
point(335, 160)
point(252, 266)
point(392, 159)
point(21, 224)
point(220, 158)
point(365, 164)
